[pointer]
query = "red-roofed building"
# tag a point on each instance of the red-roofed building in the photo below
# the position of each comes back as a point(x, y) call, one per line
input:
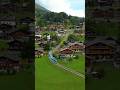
point(66, 53)
point(76, 47)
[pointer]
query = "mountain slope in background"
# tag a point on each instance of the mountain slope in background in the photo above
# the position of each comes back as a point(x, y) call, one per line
point(45, 17)
point(40, 9)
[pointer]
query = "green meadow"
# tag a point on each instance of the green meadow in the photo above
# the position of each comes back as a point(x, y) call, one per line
point(110, 81)
point(19, 81)
point(50, 77)
point(76, 64)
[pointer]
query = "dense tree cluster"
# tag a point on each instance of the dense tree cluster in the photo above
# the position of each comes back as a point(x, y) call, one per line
point(44, 17)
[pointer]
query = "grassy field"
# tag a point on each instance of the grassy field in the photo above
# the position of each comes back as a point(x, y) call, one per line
point(76, 64)
point(19, 81)
point(50, 77)
point(110, 81)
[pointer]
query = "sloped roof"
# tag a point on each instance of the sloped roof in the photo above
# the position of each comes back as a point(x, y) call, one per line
point(101, 40)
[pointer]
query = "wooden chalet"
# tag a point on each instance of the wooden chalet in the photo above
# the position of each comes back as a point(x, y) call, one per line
point(26, 20)
point(7, 6)
point(78, 28)
point(98, 13)
point(66, 53)
point(5, 31)
point(109, 13)
point(90, 34)
point(100, 2)
point(76, 47)
point(26, 6)
point(15, 45)
point(117, 14)
point(105, 2)
point(100, 50)
point(19, 34)
point(54, 27)
point(10, 20)
point(38, 30)
point(7, 24)
point(42, 44)
point(61, 31)
point(80, 32)
point(39, 52)
point(4, 27)
point(7, 63)
point(37, 37)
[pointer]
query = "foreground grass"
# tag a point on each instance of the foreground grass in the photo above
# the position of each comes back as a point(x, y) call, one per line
point(76, 64)
point(109, 82)
point(50, 77)
point(19, 81)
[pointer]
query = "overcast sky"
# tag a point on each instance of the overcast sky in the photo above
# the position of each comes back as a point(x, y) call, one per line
point(72, 7)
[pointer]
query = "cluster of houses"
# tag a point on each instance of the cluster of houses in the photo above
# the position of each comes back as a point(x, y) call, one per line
point(42, 40)
point(6, 6)
point(54, 27)
point(59, 29)
point(40, 52)
point(104, 10)
point(101, 50)
point(100, 2)
point(72, 50)
point(8, 63)
point(14, 35)
point(80, 30)
point(15, 40)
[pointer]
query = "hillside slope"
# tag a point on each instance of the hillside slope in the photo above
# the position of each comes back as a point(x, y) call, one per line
point(40, 9)
point(45, 17)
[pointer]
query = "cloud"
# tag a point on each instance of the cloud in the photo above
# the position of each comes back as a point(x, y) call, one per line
point(64, 6)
